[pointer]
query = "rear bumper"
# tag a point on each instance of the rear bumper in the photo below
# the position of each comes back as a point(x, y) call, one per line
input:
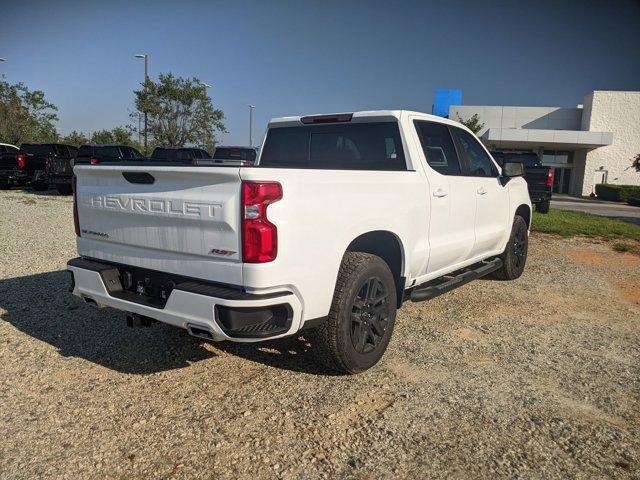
point(214, 312)
point(13, 175)
point(537, 197)
point(60, 178)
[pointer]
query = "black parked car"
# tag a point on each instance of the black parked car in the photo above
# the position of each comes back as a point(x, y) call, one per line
point(539, 178)
point(243, 156)
point(60, 169)
point(31, 162)
point(185, 155)
point(8, 163)
point(95, 154)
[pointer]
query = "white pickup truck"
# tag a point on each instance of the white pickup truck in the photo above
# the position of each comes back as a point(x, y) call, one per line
point(343, 218)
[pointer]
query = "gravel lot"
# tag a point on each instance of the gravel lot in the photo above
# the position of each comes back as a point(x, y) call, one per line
point(537, 378)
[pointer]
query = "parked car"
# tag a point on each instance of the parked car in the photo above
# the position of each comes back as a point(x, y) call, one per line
point(31, 163)
point(95, 154)
point(344, 217)
point(238, 156)
point(60, 169)
point(8, 163)
point(184, 155)
point(539, 177)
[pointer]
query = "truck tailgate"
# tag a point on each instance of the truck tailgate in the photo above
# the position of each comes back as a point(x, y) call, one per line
point(171, 218)
point(536, 175)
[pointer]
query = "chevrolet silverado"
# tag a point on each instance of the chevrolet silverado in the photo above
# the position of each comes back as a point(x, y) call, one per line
point(343, 218)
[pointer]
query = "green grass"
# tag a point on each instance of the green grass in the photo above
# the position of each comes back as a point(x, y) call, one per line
point(621, 247)
point(568, 224)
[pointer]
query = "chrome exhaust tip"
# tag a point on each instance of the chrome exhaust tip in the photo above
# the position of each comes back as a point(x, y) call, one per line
point(199, 331)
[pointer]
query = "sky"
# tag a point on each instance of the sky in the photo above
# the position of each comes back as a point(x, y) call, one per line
point(303, 57)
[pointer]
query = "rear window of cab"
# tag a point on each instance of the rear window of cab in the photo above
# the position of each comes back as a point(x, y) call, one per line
point(340, 146)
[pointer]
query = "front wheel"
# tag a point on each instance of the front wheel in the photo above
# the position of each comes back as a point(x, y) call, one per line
point(514, 256)
point(362, 315)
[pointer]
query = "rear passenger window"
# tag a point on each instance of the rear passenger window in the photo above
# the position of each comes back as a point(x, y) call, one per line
point(438, 148)
point(480, 165)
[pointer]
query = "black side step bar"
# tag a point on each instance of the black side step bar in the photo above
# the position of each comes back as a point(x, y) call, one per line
point(429, 290)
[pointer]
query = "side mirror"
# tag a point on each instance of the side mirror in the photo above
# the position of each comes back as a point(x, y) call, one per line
point(510, 170)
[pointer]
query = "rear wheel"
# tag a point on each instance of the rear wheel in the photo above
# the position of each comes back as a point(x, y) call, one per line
point(543, 207)
point(40, 186)
point(362, 315)
point(514, 256)
point(64, 188)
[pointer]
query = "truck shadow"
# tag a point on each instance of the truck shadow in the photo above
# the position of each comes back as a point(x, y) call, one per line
point(40, 306)
point(292, 353)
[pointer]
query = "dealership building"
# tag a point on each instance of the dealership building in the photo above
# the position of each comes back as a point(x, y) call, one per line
point(592, 143)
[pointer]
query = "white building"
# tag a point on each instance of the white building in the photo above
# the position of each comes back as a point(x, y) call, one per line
point(592, 143)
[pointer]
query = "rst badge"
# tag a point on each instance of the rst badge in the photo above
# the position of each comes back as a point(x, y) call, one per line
point(221, 253)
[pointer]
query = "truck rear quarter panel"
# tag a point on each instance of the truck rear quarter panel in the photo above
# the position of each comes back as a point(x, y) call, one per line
point(322, 212)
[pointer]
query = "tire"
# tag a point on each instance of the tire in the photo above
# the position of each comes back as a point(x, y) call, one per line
point(361, 318)
point(64, 189)
point(514, 257)
point(40, 186)
point(5, 186)
point(543, 207)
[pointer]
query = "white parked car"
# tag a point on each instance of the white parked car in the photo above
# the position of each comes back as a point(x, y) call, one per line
point(343, 218)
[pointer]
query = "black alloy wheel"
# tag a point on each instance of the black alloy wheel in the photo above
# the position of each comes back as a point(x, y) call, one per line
point(520, 248)
point(369, 315)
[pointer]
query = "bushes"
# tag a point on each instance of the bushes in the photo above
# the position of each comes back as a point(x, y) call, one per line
point(617, 193)
point(635, 201)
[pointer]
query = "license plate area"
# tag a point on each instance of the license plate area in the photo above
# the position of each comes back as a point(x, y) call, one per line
point(144, 286)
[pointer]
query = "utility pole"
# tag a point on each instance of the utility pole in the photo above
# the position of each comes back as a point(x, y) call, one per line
point(146, 78)
point(251, 107)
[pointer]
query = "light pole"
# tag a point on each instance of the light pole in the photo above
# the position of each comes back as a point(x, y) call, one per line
point(251, 107)
point(146, 77)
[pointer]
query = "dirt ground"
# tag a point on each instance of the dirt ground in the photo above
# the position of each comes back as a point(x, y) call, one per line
point(536, 378)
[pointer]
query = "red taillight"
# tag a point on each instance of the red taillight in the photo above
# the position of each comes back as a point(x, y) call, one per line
point(550, 177)
point(74, 187)
point(94, 161)
point(22, 161)
point(259, 235)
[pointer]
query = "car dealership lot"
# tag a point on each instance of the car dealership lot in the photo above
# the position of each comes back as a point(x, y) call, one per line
point(539, 377)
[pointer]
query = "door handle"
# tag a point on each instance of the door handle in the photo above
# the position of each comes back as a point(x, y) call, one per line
point(439, 192)
point(481, 191)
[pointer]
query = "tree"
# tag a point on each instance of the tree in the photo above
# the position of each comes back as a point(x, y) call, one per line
point(118, 136)
point(472, 123)
point(636, 163)
point(75, 138)
point(179, 112)
point(25, 116)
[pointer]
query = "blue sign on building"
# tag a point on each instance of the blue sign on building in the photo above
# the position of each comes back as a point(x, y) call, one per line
point(443, 99)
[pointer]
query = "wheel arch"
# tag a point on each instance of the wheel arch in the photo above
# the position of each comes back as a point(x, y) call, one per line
point(524, 211)
point(388, 246)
